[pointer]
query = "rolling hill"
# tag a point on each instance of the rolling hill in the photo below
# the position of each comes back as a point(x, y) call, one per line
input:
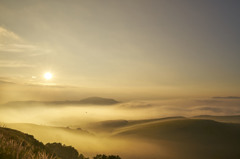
point(184, 130)
point(161, 138)
point(191, 138)
point(109, 126)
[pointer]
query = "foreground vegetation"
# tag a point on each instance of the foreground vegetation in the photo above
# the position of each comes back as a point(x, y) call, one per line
point(17, 145)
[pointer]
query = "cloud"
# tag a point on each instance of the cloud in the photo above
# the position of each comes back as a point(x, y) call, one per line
point(12, 43)
point(15, 48)
point(208, 101)
point(135, 105)
point(212, 109)
point(14, 64)
point(7, 36)
point(5, 82)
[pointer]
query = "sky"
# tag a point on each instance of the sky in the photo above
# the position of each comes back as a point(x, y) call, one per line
point(123, 49)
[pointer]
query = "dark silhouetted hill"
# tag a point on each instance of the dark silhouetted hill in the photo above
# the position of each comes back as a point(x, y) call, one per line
point(227, 97)
point(17, 145)
point(185, 130)
point(193, 138)
point(227, 119)
point(98, 101)
point(86, 101)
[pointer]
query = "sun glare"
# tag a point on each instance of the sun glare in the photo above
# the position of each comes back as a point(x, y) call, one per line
point(47, 75)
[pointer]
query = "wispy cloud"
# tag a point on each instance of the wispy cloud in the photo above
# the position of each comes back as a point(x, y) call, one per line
point(7, 36)
point(211, 109)
point(14, 64)
point(17, 48)
point(5, 82)
point(12, 43)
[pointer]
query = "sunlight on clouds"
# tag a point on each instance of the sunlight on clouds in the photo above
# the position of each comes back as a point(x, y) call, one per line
point(13, 63)
point(8, 36)
point(11, 42)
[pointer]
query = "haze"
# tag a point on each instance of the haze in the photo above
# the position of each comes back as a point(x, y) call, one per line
point(166, 48)
point(158, 60)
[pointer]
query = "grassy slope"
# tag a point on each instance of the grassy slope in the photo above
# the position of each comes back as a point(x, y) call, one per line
point(194, 138)
point(175, 129)
point(15, 144)
point(186, 138)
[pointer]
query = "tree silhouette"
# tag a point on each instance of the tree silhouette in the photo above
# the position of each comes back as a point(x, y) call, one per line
point(103, 156)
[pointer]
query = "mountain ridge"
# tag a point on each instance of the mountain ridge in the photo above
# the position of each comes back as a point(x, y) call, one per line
point(85, 101)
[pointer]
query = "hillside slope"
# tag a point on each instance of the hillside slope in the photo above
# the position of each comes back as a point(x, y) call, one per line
point(190, 138)
point(14, 144)
point(109, 126)
point(184, 129)
point(17, 145)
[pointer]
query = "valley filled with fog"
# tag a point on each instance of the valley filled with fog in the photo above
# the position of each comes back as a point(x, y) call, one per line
point(131, 129)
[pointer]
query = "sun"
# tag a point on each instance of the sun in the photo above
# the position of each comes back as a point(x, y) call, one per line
point(48, 76)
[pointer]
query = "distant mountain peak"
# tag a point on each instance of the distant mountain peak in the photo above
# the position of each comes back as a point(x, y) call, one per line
point(227, 97)
point(86, 101)
point(99, 101)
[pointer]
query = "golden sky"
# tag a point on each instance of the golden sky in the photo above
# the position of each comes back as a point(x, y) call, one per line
point(120, 48)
